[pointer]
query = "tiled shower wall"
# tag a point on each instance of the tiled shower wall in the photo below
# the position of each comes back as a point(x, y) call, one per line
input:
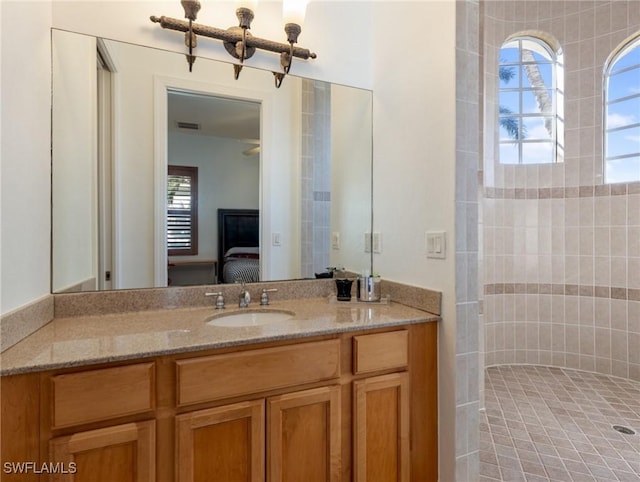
point(316, 177)
point(468, 372)
point(561, 255)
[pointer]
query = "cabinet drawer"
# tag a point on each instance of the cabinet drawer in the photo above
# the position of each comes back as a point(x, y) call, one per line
point(380, 351)
point(234, 374)
point(96, 395)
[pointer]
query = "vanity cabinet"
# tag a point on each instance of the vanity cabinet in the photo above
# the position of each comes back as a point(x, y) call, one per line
point(80, 399)
point(80, 425)
point(304, 436)
point(125, 453)
point(286, 438)
point(381, 424)
point(381, 429)
point(358, 406)
point(291, 436)
point(223, 443)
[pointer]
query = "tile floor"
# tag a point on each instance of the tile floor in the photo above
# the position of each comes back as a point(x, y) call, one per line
point(554, 424)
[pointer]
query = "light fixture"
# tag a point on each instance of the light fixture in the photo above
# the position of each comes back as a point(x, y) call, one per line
point(237, 40)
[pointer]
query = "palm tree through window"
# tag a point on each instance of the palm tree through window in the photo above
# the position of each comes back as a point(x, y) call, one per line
point(530, 98)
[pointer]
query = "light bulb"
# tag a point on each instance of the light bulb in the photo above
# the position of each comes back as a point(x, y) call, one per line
point(250, 4)
point(293, 11)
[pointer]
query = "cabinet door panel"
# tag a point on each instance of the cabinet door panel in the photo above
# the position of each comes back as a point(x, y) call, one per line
point(304, 436)
point(124, 453)
point(381, 441)
point(222, 444)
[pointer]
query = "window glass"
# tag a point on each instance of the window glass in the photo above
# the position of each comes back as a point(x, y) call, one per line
point(624, 142)
point(622, 115)
point(509, 154)
point(624, 84)
point(530, 88)
point(182, 210)
point(537, 152)
point(538, 128)
point(630, 57)
point(622, 170)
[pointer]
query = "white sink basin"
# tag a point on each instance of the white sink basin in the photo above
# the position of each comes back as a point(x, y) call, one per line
point(250, 318)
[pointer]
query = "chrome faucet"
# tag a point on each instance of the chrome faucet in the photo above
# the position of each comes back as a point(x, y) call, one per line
point(264, 298)
point(244, 297)
point(219, 299)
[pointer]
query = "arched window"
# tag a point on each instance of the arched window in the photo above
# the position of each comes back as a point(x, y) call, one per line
point(622, 115)
point(531, 102)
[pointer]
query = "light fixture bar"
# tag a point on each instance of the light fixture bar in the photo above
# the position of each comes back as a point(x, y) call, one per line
point(232, 36)
point(238, 42)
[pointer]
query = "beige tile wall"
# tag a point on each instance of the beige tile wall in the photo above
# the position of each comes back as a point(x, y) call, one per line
point(316, 178)
point(561, 257)
point(468, 373)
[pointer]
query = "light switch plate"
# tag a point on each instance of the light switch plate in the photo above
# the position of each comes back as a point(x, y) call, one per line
point(367, 242)
point(376, 242)
point(335, 240)
point(436, 244)
point(276, 239)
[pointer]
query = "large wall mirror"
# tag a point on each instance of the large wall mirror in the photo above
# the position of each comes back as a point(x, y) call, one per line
point(161, 177)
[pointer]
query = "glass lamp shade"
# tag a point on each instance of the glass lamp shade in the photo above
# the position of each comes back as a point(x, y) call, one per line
point(293, 11)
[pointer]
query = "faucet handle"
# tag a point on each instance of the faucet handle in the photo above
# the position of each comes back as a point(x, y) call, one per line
point(219, 299)
point(264, 298)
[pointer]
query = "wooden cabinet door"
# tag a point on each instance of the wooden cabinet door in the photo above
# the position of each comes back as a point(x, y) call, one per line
point(381, 429)
point(125, 453)
point(304, 436)
point(222, 444)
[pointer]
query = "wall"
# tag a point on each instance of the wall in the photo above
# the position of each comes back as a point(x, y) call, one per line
point(25, 153)
point(74, 157)
point(562, 256)
point(351, 154)
point(414, 132)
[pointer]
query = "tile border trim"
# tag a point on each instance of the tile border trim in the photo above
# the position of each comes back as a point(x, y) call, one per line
point(621, 189)
point(612, 292)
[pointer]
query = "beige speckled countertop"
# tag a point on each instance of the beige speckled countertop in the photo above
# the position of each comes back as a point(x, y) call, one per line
point(86, 340)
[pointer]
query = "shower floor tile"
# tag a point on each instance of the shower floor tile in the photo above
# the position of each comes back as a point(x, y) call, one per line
point(556, 424)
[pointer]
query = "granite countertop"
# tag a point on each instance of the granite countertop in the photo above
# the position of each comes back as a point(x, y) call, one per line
point(87, 340)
